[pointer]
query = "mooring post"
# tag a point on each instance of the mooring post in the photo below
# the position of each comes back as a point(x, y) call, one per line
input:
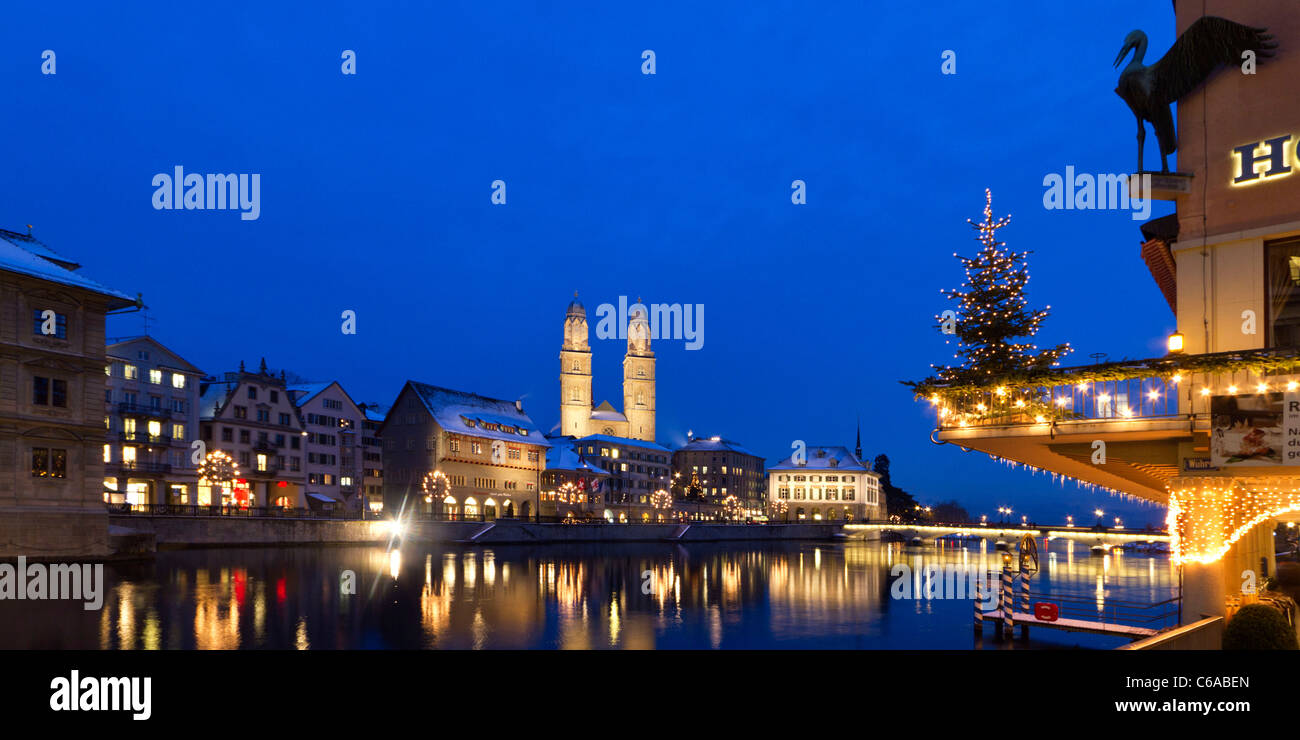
point(1024, 599)
point(1008, 603)
point(979, 613)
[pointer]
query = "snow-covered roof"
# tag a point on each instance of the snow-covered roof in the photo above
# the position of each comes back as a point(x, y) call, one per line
point(301, 393)
point(824, 459)
point(606, 412)
point(626, 442)
point(26, 256)
point(715, 443)
point(563, 457)
point(478, 416)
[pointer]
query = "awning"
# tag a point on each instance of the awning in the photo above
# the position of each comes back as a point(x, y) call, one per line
point(323, 498)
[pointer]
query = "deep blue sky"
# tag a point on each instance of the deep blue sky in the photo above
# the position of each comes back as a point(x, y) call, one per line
point(674, 187)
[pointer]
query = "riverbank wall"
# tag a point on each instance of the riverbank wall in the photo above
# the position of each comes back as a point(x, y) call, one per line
point(178, 531)
point(515, 532)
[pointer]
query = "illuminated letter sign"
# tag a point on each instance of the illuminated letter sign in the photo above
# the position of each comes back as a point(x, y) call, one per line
point(1276, 159)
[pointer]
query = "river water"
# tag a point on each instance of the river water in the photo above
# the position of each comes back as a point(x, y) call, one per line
point(728, 596)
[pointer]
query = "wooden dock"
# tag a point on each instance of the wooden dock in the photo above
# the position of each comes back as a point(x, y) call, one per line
point(1021, 619)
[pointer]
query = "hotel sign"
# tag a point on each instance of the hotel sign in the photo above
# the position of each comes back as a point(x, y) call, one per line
point(1262, 160)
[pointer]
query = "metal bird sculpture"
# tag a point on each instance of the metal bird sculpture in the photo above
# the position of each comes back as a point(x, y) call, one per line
point(1209, 43)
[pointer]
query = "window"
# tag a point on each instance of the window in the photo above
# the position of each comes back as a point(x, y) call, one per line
point(178, 431)
point(49, 463)
point(264, 415)
point(476, 448)
point(243, 438)
point(155, 430)
point(1282, 275)
point(275, 396)
point(227, 434)
point(108, 453)
point(57, 329)
point(50, 392)
point(155, 377)
point(261, 462)
point(453, 445)
point(130, 372)
point(241, 412)
point(284, 420)
point(178, 380)
point(252, 393)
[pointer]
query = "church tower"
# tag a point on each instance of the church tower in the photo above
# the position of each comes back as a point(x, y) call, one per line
point(639, 376)
point(575, 372)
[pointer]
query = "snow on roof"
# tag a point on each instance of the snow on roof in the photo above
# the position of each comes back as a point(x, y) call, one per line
point(715, 443)
point(605, 412)
point(626, 442)
point(17, 255)
point(181, 363)
point(478, 416)
point(824, 458)
point(563, 457)
point(303, 392)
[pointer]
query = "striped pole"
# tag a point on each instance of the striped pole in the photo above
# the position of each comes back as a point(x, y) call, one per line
point(1008, 603)
point(1024, 599)
point(979, 614)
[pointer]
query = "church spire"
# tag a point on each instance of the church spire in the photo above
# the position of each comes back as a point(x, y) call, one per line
point(858, 449)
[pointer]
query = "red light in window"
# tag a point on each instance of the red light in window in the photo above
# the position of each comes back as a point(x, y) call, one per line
point(281, 484)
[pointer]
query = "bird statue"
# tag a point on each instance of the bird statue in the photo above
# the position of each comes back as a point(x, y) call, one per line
point(1208, 44)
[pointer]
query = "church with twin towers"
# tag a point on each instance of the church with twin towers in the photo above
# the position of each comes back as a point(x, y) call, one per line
point(579, 417)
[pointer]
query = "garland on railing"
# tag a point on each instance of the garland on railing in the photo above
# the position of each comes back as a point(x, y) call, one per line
point(1260, 362)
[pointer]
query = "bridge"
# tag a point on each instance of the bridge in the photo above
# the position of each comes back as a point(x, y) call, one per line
point(1107, 537)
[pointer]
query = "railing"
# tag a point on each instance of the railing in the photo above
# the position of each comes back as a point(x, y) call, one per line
point(143, 437)
point(139, 409)
point(480, 516)
point(196, 510)
point(1175, 387)
point(142, 467)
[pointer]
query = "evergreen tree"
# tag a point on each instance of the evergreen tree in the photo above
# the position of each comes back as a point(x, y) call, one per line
point(991, 311)
point(897, 501)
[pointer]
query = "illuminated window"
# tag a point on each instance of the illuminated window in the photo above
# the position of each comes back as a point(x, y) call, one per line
point(130, 372)
point(261, 462)
point(128, 455)
point(178, 431)
point(108, 453)
point(1282, 275)
point(49, 463)
point(155, 377)
point(178, 380)
point(155, 429)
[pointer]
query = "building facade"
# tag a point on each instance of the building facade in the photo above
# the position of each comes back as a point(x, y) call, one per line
point(824, 483)
point(151, 410)
point(572, 486)
point(334, 448)
point(721, 468)
point(251, 417)
point(372, 457)
point(637, 469)
point(51, 402)
point(490, 452)
point(578, 418)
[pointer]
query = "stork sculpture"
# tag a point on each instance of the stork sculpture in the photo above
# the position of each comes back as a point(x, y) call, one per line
point(1208, 44)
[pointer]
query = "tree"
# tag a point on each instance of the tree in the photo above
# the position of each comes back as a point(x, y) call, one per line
point(949, 511)
point(991, 312)
point(897, 501)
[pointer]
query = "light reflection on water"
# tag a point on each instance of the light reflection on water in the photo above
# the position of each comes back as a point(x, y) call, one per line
point(789, 595)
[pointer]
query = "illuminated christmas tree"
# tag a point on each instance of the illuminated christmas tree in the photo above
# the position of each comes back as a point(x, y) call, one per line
point(992, 312)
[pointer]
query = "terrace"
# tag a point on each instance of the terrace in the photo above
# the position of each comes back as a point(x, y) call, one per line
point(1150, 414)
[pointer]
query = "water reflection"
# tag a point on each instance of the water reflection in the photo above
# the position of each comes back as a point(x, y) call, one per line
point(796, 595)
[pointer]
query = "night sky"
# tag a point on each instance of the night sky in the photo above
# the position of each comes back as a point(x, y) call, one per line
point(375, 196)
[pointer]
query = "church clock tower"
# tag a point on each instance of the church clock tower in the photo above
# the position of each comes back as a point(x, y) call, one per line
point(575, 372)
point(639, 376)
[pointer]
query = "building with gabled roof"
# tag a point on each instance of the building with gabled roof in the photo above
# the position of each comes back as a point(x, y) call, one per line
point(333, 449)
point(720, 468)
point(572, 486)
point(51, 402)
point(151, 409)
point(490, 451)
point(252, 417)
point(825, 482)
